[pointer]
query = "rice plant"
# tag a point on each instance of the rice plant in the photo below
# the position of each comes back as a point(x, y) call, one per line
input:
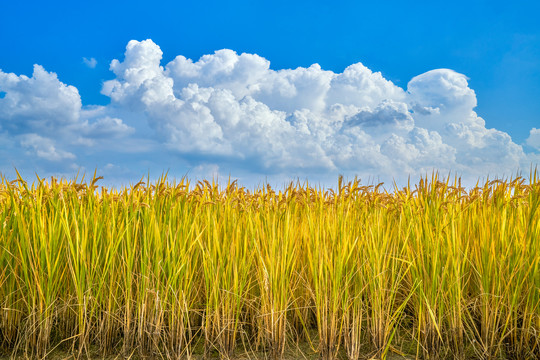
point(174, 270)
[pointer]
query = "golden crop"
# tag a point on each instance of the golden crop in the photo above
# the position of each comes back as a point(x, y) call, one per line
point(357, 271)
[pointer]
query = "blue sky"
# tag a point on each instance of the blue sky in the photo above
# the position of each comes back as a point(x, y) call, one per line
point(493, 46)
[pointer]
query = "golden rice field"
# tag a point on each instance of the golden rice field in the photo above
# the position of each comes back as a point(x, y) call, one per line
point(184, 270)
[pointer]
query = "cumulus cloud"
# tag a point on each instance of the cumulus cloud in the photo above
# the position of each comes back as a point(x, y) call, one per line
point(231, 107)
point(47, 115)
point(44, 148)
point(534, 139)
point(40, 103)
point(107, 127)
point(91, 63)
point(234, 112)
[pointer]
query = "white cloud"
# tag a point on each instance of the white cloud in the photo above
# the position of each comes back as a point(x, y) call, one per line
point(534, 138)
point(234, 112)
point(234, 107)
point(442, 88)
point(359, 86)
point(91, 63)
point(44, 148)
point(107, 127)
point(40, 103)
point(47, 115)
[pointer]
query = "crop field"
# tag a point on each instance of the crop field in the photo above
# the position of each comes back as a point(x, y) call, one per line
point(205, 270)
